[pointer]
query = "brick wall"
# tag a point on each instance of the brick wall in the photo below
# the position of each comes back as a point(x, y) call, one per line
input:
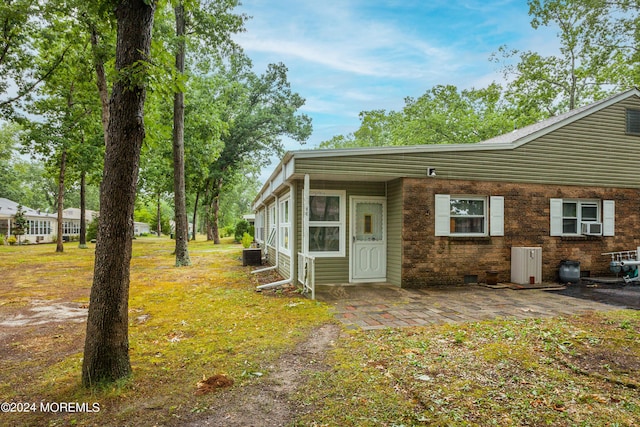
point(430, 260)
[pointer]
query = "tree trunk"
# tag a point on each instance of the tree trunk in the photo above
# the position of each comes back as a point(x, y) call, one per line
point(215, 210)
point(159, 218)
point(106, 350)
point(207, 210)
point(63, 165)
point(83, 213)
point(180, 202)
point(209, 231)
point(195, 211)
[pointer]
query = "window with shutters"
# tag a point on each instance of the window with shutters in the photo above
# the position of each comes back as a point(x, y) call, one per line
point(575, 217)
point(469, 215)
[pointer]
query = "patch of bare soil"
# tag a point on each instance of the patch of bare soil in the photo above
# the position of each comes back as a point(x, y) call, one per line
point(40, 312)
point(271, 276)
point(268, 401)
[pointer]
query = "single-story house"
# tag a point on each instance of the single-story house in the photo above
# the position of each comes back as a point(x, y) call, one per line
point(567, 188)
point(42, 227)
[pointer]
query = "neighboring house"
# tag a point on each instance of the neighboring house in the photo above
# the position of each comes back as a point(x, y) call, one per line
point(43, 227)
point(250, 218)
point(443, 214)
point(71, 221)
point(140, 228)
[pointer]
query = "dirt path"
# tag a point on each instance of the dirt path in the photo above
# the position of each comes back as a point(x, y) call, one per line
point(268, 401)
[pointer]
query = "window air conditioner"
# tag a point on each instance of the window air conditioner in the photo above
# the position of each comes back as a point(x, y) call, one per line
point(591, 228)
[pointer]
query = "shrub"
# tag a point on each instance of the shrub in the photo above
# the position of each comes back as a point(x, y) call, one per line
point(247, 239)
point(1, 240)
point(227, 231)
point(242, 227)
point(12, 240)
point(92, 229)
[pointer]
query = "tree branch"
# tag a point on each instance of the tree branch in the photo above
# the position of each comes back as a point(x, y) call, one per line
point(37, 82)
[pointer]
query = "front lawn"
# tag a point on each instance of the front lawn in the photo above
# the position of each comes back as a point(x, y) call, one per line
point(577, 371)
point(204, 320)
point(184, 323)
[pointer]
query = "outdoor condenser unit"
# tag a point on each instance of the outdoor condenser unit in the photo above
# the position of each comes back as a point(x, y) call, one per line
point(526, 265)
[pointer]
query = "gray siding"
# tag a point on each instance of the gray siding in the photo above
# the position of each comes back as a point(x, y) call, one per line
point(593, 151)
point(394, 232)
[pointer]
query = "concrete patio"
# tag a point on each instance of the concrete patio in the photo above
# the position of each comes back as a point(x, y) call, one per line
point(377, 306)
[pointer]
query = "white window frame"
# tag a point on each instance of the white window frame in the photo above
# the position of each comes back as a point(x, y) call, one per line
point(271, 219)
point(37, 226)
point(284, 218)
point(341, 224)
point(605, 216)
point(259, 226)
point(493, 215)
point(485, 221)
point(70, 227)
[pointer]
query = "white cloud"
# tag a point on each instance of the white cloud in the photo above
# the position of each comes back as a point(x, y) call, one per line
point(348, 56)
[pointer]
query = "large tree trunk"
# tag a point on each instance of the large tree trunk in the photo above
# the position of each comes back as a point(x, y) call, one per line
point(83, 213)
point(63, 165)
point(106, 350)
point(180, 202)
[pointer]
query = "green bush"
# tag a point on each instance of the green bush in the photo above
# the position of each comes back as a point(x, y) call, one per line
point(92, 229)
point(247, 239)
point(227, 231)
point(242, 227)
point(1, 240)
point(12, 240)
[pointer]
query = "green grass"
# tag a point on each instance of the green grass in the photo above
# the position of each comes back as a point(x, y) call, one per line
point(183, 323)
point(207, 319)
point(580, 370)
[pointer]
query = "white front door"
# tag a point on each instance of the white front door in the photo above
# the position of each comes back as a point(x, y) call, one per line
point(368, 256)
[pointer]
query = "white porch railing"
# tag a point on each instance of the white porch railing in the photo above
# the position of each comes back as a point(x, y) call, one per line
point(307, 273)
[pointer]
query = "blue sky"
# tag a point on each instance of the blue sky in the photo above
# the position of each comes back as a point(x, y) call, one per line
point(348, 56)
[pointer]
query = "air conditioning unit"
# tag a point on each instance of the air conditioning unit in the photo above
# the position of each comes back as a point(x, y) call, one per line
point(591, 228)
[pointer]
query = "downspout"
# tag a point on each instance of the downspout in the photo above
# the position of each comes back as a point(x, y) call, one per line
point(291, 242)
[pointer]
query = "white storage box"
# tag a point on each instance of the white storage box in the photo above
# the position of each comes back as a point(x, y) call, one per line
point(526, 265)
